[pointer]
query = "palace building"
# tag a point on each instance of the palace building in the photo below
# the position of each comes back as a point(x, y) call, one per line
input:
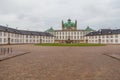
point(14, 36)
point(69, 33)
point(104, 36)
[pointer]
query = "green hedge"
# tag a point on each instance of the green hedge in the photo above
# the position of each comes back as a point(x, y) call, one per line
point(81, 44)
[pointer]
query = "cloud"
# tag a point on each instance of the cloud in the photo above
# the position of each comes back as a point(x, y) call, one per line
point(43, 14)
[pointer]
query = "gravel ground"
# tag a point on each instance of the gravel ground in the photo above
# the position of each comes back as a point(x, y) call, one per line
point(62, 63)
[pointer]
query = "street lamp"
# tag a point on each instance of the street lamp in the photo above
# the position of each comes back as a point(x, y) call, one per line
point(8, 35)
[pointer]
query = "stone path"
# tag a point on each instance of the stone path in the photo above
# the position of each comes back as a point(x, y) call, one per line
point(62, 63)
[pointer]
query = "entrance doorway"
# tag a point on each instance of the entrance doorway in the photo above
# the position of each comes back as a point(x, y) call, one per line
point(99, 41)
point(69, 41)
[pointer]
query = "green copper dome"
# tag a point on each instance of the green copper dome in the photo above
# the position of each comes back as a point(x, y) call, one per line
point(69, 24)
point(50, 30)
point(89, 29)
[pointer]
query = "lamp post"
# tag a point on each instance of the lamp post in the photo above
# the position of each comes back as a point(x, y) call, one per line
point(99, 40)
point(40, 40)
point(8, 38)
point(8, 35)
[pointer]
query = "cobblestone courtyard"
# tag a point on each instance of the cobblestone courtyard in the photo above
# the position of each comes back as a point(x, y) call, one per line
point(62, 63)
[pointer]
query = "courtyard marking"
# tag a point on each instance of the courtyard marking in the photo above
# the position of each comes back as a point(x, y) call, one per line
point(113, 56)
point(12, 56)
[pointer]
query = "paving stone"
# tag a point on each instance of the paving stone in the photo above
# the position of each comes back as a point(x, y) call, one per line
point(62, 63)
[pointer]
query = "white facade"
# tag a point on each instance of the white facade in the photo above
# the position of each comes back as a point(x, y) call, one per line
point(77, 36)
point(16, 38)
point(105, 36)
point(69, 33)
point(104, 39)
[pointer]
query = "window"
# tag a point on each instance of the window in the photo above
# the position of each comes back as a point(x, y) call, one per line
point(74, 33)
point(4, 40)
point(111, 36)
point(116, 36)
point(81, 37)
point(4, 34)
point(63, 33)
point(89, 37)
point(103, 36)
point(111, 40)
point(77, 37)
point(99, 36)
point(30, 41)
point(11, 40)
point(26, 40)
point(60, 33)
point(116, 40)
point(107, 41)
point(107, 36)
point(26, 36)
point(77, 33)
point(37, 40)
point(74, 37)
point(95, 40)
point(0, 39)
point(11, 35)
point(103, 41)
point(0, 33)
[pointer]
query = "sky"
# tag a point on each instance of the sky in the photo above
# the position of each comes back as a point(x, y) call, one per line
point(39, 15)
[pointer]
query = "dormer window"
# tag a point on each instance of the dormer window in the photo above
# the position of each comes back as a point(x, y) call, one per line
point(99, 32)
point(110, 32)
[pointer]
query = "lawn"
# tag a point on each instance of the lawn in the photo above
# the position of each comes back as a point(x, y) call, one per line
point(81, 44)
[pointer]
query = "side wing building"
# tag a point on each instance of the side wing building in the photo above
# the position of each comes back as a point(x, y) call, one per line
point(14, 36)
point(104, 36)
